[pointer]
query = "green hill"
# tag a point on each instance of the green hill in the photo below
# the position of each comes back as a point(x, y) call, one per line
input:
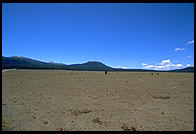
point(91, 65)
point(187, 69)
point(27, 63)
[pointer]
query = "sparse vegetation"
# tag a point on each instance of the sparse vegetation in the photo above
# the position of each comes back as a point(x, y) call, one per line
point(127, 128)
point(97, 120)
point(79, 112)
point(162, 97)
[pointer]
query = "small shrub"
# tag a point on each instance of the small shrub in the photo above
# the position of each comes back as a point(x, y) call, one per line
point(126, 128)
point(162, 97)
point(97, 120)
point(78, 112)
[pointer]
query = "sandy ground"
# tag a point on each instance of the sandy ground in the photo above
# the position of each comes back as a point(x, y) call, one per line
point(85, 101)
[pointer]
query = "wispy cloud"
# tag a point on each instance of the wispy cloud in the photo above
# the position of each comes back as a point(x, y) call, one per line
point(189, 56)
point(144, 64)
point(119, 66)
point(179, 49)
point(164, 65)
point(190, 42)
point(150, 66)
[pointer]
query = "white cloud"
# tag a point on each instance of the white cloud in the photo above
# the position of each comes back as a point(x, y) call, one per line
point(159, 67)
point(178, 65)
point(179, 49)
point(150, 66)
point(188, 65)
point(189, 56)
point(144, 64)
point(164, 65)
point(124, 67)
point(165, 62)
point(190, 42)
point(119, 66)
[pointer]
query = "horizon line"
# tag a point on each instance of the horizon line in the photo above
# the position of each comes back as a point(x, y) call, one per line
point(104, 64)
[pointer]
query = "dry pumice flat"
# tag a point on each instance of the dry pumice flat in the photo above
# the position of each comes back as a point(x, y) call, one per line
point(151, 103)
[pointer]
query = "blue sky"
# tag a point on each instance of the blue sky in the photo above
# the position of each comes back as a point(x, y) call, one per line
point(126, 35)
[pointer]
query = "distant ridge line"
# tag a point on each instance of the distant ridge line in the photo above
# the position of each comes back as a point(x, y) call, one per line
point(19, 62)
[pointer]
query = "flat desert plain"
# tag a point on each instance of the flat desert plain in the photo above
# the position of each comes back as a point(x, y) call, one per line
point(51, 100)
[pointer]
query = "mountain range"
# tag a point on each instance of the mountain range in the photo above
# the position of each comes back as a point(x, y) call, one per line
point(27, 63)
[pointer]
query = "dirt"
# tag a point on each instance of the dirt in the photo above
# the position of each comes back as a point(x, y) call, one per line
point(50, 100)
